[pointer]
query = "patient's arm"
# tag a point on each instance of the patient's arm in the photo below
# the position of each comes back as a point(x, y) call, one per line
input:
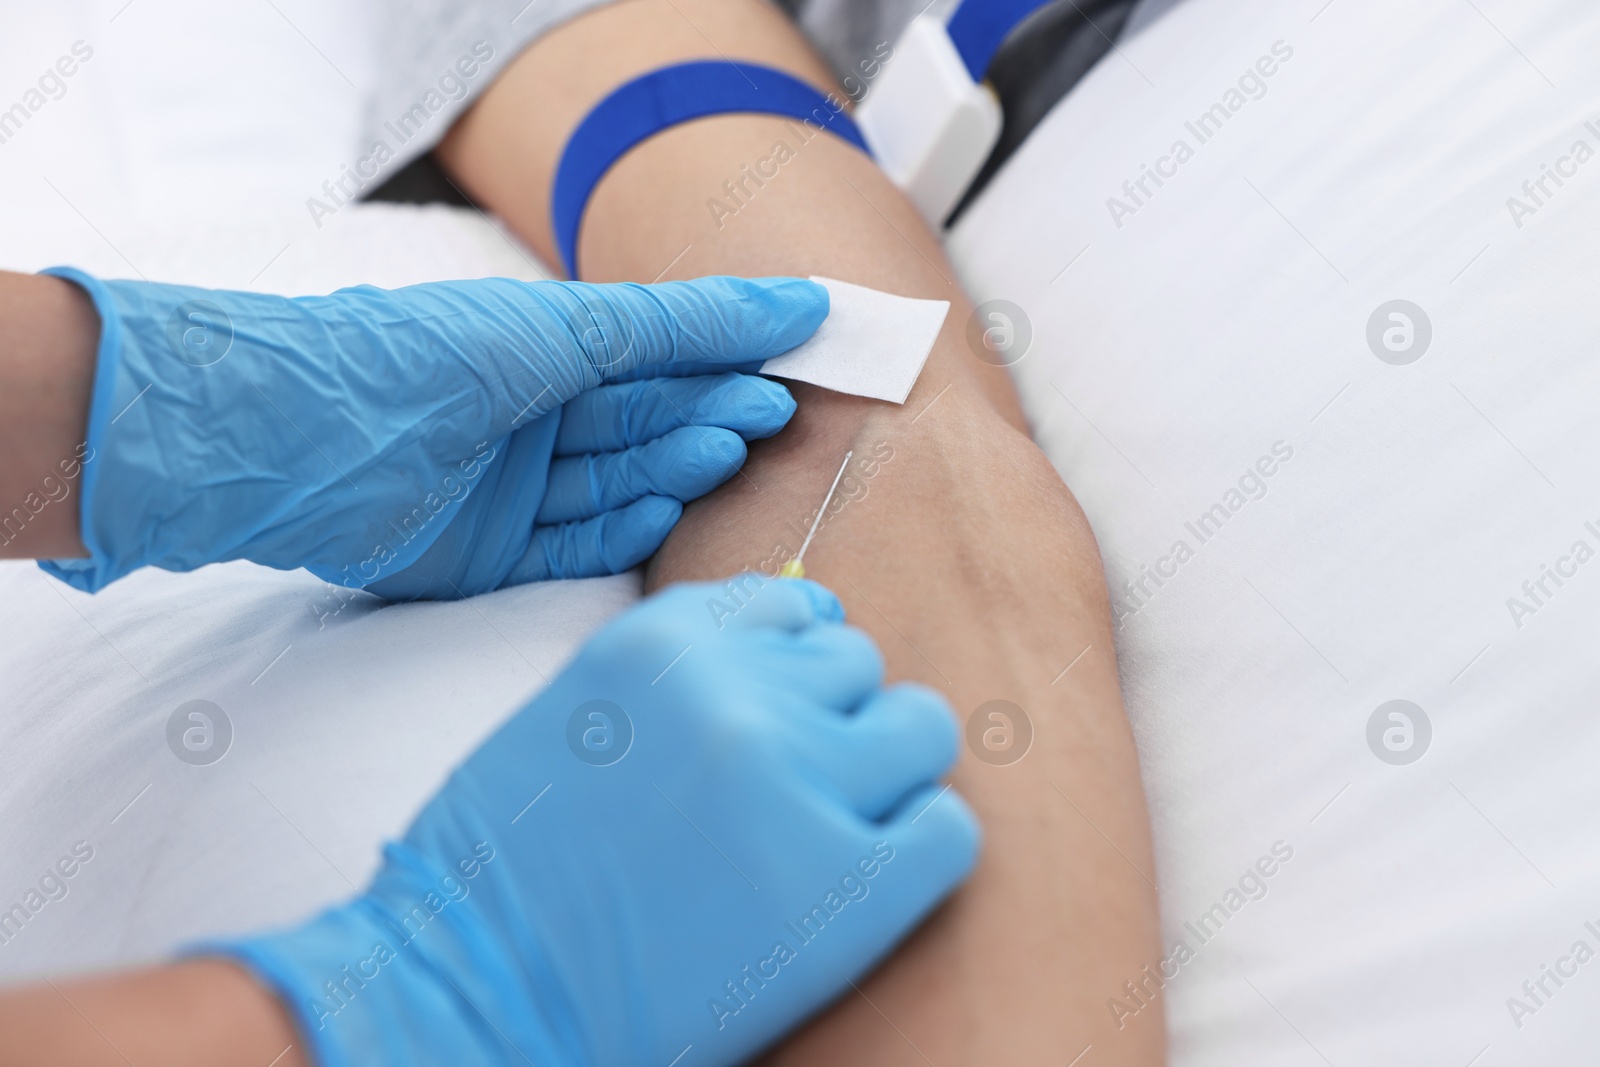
point(966, 557)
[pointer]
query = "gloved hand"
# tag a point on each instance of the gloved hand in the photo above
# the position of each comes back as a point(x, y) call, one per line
point(601, 492)
point(685, 845)
point(439, 440)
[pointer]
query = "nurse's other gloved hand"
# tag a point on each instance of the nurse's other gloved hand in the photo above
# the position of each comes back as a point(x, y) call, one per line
point(707, 825)
point(440, 440)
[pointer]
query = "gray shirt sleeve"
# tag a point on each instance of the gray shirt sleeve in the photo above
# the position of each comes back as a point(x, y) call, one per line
point(435, 57)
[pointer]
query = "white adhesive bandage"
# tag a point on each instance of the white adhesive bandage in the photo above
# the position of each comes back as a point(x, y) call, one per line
point(871, 344)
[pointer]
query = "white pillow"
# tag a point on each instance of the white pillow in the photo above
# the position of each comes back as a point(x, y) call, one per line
point(177, 113)
point(1225, 322)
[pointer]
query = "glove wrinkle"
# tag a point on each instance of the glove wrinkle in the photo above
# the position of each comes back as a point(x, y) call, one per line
point(403, 440)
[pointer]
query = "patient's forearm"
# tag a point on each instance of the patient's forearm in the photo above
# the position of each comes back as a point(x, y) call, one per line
point(48, 333)
point(962, 553)
point(203, 1013)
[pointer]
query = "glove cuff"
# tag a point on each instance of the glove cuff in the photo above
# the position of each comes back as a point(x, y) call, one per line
point(357, 993)
point(380, 980)
point(227, 425)
point(99, 569)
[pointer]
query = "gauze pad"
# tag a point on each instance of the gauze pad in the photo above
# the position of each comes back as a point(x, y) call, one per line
point(871, 344)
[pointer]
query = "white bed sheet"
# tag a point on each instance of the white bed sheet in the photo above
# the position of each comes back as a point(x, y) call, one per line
point(1229, 314)
point(1169, 354)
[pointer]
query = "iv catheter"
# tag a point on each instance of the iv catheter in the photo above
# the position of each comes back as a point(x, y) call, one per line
point(794, 568)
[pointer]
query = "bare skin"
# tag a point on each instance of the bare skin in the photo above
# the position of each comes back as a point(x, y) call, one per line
point(203, 1013)
point(966, 557)
point(48, 333)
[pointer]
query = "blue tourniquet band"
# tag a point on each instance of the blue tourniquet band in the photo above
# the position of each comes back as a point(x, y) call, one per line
point(979, 27)
point(664, 98)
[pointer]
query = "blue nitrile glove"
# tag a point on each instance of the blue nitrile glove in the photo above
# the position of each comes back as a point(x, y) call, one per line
point(599, 494)
point(693, 839)
point(439, 440)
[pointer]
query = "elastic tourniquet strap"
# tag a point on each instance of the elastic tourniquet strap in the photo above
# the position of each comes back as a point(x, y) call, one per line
point(663, 98)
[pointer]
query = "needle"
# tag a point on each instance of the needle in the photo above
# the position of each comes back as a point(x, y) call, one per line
point(794, 568)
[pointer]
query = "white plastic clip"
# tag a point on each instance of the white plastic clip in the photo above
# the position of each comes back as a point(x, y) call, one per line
point(929, 124)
